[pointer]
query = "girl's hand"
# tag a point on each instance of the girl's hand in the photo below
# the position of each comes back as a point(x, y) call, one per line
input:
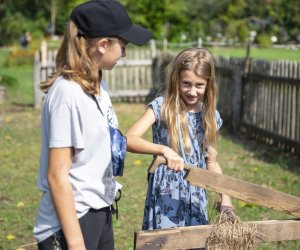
point(174, 161)
point(226, 209)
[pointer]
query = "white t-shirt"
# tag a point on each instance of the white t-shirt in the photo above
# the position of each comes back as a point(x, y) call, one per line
point(70, 118)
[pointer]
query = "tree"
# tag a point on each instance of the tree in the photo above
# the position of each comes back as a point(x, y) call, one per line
point(286, 16)
point(170, 19)
point(17, 17)
point(166, 18)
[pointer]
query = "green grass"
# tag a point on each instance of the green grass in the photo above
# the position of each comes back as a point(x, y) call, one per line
point(19, 153)
point(19, 159)
point(22, 93)
point(259, 53)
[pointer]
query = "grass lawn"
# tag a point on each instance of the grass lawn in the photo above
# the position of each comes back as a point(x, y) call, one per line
point(19, 159)
point(19, 153)
point(259, 53)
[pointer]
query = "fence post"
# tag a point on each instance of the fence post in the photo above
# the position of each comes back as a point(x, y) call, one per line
point(3, 94)
point(237, 95)
point(165, 49)
point(153, 49)
point(44, 53)
point(37, 80)
point(199, 43)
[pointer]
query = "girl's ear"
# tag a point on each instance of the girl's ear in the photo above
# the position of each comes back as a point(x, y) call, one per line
point(102, 45)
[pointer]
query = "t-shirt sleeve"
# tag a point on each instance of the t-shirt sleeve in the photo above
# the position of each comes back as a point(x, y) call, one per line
point(66, 127)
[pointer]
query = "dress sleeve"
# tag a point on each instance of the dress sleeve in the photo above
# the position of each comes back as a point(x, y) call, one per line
point(155, 105)
point(219, 120)
point(66, 127)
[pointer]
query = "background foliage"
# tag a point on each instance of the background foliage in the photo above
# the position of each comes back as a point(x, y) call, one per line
point(175, 20)
point(20, 149)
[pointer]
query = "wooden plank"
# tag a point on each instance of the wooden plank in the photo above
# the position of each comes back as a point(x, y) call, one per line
point(129, 93)
point(275, 79)
point(236, 188)
point(195, 236)
point(137, 62)
point(278, 138)
point(245, 191)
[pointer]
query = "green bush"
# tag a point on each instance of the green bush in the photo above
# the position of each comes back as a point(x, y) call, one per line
point(19, 57)
point(264, 41)
point(8, 81)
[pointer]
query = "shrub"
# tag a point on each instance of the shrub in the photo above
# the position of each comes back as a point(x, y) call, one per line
point(8, 81)
point(19, 57)
point(264, 41)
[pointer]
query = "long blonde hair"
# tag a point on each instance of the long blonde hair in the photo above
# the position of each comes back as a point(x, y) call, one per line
point(73, 62)
point(201, 62)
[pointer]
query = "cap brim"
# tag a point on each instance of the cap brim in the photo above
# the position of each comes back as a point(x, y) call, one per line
point(136, 35)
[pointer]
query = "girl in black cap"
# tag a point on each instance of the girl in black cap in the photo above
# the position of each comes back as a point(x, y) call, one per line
point(75, 175)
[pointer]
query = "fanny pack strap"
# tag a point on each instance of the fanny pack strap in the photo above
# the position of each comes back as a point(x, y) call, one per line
point(181, 144)
point(98, 106)
point(114, 210)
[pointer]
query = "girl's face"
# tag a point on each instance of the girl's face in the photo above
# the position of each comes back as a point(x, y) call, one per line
point(192, 89)
point(109, 51)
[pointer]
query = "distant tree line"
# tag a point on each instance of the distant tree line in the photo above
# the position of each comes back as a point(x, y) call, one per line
point(175, 20)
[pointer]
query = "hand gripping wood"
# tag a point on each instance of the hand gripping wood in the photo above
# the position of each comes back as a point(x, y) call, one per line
point(235, 188)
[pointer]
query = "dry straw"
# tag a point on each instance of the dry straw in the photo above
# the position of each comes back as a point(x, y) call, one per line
point(231, 233)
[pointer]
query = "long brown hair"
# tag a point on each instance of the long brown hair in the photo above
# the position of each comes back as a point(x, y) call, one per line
point(73, 62)
point(201, 62)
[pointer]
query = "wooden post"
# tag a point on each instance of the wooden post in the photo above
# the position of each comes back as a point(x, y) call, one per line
point(36, 81)
point(153, 51)
point(44, 53)
point(2, 94)
point(165, 49)
point(195, 236)
point(199, 43)
point(53, 17)
point(236, 103)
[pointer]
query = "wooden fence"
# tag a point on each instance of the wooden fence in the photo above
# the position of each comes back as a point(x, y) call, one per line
point(131, 80)
point(260, 98)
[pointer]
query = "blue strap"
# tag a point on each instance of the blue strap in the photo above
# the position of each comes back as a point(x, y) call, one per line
point(181, 144)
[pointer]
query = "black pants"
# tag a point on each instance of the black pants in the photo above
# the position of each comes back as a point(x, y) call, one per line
point(96, 227)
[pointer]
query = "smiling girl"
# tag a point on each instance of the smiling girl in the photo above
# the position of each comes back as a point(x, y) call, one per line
point(184, 128)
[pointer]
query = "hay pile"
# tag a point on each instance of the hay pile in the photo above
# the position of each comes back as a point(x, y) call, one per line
point(231, 233)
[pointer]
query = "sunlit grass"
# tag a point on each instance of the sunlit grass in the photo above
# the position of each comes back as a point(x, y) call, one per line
point(258, 53)
point(19, 159)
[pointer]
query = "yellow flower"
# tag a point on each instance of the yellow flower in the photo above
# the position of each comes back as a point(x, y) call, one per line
point(137, 162)
point(20, 248)
point(8, 119)
point(20, 204)
point(242, 204)
point(10, 237)
point(8, 138)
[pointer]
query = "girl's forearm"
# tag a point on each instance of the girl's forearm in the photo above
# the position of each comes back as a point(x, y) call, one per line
point(60, 161)
point(63, 200)
point(136, 144)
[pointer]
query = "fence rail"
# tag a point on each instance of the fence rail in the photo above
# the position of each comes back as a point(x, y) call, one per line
point(131, 79)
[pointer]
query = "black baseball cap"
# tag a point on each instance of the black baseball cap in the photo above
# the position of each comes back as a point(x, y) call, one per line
point(108, 18)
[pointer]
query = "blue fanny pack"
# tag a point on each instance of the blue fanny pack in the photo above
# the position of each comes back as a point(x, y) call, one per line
point(118, 147)
point(118, 150)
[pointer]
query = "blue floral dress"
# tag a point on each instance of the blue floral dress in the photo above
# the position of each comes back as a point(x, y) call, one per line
point(171, 201)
